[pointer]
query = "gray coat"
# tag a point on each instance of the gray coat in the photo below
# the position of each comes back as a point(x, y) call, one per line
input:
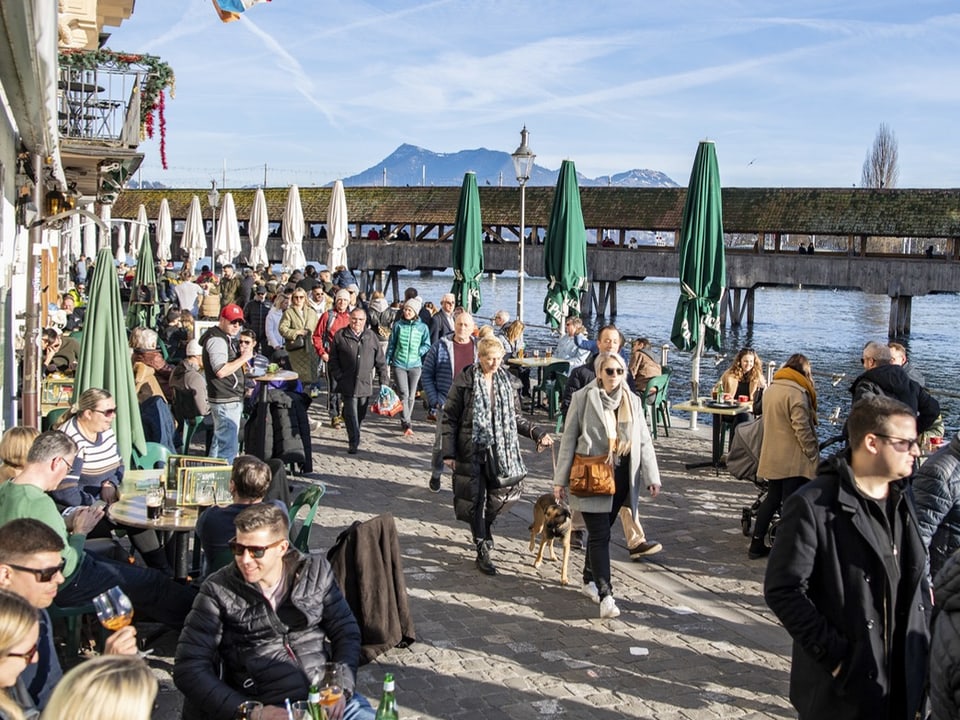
point(585, 434)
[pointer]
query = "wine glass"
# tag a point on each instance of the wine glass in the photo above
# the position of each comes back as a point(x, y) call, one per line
point(114, 609)
point(331, 686)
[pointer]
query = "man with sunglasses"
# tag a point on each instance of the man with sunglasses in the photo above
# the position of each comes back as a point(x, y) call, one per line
point(31, 566)
point(268, 621)
point(86, 575)
point(223, 363)
point(847, 575)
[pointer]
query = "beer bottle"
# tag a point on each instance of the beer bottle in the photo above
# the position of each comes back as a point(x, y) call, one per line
point(387, 709)
point(313, 700)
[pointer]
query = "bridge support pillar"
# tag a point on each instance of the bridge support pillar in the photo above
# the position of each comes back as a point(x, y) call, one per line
point(901, 308)
point(736, 302)
point(601, 293)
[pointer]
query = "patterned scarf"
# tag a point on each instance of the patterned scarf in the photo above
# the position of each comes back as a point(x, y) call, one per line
point(618, 421)
point(496, 426)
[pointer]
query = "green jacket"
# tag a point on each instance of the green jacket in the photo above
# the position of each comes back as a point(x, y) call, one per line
point(28, 501)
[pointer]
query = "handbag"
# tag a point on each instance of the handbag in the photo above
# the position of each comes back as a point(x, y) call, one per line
point(298, 343)
point(591, 475)
point(491, 470)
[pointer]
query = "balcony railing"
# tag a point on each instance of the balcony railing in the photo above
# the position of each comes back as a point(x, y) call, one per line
point(100, 105)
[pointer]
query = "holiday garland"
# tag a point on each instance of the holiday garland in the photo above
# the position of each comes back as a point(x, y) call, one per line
point(158, 77)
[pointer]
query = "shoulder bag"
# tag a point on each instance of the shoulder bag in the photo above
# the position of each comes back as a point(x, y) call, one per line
point(492, 472)
point(298, 343)
point(591, 475)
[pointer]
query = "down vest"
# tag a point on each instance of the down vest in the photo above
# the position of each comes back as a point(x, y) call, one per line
point(936, 494)
point(235, 647)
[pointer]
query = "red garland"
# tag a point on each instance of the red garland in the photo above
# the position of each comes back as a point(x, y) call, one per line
point(148, 122)
point(163, 132)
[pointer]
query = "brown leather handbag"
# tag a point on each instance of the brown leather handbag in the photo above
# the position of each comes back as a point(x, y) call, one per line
point(591, 475)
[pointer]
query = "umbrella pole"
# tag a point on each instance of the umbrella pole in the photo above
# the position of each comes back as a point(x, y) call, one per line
point(695, 376)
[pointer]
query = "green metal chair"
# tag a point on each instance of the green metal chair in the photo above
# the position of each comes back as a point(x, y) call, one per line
point(655, 403)
point(553, 379)
point(309, 499)
point(72, 618)
point(190, 428)
point(155, 456)
point(51, 418)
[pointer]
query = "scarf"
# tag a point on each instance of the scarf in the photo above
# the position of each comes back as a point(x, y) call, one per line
point(618, 421)
point(495, 424)
point(801, 380)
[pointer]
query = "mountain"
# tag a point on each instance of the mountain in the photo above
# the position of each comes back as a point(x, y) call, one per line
point(413, 166)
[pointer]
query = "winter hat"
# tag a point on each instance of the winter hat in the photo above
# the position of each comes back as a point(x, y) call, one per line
point(194, 349)
point(342, 295)
point(414, 304)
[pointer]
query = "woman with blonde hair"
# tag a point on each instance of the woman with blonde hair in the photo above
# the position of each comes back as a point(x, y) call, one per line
point(108, 687)
point(19, 635)
point(296, 328)
point(14, 446)
point(744, 376)
point(605, 423)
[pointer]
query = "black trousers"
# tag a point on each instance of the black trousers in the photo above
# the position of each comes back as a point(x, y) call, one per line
point(596, 564)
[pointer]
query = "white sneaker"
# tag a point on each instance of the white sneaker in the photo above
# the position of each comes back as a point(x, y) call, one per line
point(590, 590)
point(608, 608)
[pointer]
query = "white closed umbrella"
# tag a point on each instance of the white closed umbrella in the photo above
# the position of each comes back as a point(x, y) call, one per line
point(106, 239)
point(89, 235)
point(164, 233)
point(338, 233)
point(73, 238)
point(194, 240)
point(293, 257)
point(121, 244)
point(226, 245)
point(259, 229)
point(139, 232)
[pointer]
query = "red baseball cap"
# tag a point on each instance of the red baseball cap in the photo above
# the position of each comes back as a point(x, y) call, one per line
point(232, 313)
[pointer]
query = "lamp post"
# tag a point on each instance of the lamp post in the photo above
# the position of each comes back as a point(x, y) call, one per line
point(213, 197)
point(523, 158)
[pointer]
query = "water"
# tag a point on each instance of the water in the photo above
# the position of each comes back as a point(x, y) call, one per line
point(829, 327)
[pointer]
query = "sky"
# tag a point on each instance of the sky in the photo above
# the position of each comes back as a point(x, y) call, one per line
point(793, 94)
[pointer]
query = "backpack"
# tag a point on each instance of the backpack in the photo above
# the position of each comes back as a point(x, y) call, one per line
point(743, 457)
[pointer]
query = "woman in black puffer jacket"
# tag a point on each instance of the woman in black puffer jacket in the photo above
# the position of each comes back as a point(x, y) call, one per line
point(482, 411)
point(945, 644)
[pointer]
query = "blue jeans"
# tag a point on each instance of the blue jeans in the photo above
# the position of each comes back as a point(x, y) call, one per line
point(150, 591)
point(358, 708)
point(226, 429)
point(354, 411)
point(407, 381)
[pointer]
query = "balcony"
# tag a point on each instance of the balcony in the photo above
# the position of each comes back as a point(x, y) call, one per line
point(105, 100)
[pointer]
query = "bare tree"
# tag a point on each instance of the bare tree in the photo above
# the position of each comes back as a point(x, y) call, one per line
point(881, 169)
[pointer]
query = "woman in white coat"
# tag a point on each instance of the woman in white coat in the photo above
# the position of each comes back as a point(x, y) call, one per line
point(605, 418)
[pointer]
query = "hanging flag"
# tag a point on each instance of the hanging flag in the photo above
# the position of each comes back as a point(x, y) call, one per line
point(229, 10)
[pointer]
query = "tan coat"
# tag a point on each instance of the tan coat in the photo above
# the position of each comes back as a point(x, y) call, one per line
point(790, 447)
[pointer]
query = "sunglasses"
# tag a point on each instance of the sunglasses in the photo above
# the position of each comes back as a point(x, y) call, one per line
point(237, 322)
point(28, 655)
point(43, 575)
point(246, 342)
point(109, 412)
point(613, 371)
point(256, 551)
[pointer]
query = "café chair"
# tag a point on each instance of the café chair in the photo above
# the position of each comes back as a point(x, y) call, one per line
point(309, 499)
point(155, 456)
point(51, 418)
point(553, 379)
point(655, 403)
point(72, 617)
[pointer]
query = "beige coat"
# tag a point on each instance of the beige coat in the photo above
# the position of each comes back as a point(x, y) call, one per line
point(304, 361)
point(790, 447)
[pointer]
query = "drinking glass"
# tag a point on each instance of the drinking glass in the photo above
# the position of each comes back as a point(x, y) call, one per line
point(549, 352)
point(300, 710)
point(536, 354)
point(206, 496)
point(154, 503)
point(331, 686)
point(250, 710)
point(114, 609)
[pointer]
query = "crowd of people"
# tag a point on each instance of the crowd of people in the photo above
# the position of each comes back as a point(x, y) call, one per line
point(861, 538)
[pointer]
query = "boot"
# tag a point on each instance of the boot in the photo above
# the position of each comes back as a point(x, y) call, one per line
point(758, 549)
point(483, 559)
point(488, 534)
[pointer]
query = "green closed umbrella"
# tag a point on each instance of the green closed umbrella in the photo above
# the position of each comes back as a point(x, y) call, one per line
point(143, 309)
point(468, 246)
point(703, 273)
point(105, 356)
point(565, 250)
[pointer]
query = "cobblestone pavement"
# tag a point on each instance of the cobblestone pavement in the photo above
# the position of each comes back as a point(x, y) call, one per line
point(694, 639)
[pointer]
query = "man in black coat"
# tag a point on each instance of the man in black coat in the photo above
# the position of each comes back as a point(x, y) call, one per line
point(260, 624)
point(847, 576)
point(881, 377)
point(354, 355)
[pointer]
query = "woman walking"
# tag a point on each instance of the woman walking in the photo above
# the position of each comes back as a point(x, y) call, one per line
point(296, 328)
point(605, 420)
point(790, 452)
point(480, 443)
point(409, 342)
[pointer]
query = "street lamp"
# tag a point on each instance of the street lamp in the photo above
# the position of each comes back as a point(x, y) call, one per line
point(523, 158)
point(213, 197)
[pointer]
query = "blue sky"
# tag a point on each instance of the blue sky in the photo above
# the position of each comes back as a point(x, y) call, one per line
point(792, 95)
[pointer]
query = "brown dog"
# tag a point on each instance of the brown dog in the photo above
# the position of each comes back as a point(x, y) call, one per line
point(551, 520)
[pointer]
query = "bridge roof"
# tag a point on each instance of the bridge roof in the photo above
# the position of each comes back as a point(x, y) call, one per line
point(823, 211)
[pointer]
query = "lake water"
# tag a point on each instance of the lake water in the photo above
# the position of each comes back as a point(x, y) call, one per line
point(829, 327)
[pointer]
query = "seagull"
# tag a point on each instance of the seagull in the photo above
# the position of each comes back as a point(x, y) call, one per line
point(751, 162)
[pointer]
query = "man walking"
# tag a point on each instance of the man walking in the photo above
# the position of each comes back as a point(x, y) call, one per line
point(223, 363)
point(441, 324)
point(847, 577)
point(255, 315)
point(331, 322)
point(442, 363)
point(262, 623)
point(354, 355)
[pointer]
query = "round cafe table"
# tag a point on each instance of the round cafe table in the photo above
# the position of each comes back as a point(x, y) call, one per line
point(132, 511)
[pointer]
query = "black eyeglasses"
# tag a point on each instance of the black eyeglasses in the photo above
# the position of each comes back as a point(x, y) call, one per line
point(109, 412)
point(256, 551)
point(28, 655)
point(43, 575)
point(614, 371)
point(900, 444)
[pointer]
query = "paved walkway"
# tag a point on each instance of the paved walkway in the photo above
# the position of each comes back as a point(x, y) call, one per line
point(694, 639)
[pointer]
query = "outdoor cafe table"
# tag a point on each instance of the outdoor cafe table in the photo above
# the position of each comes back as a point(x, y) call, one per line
point(131, 510)
point(718, 414)
point(535, 363)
